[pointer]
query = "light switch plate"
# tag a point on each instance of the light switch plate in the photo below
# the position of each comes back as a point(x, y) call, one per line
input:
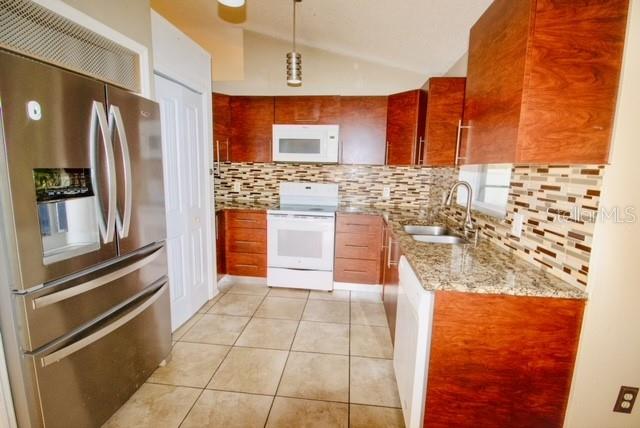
point(386, 192)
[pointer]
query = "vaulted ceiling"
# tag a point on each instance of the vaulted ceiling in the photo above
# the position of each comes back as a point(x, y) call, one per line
point(424, 36)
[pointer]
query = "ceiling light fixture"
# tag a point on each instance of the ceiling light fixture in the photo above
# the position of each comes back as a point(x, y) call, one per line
point(294, 59)
point(232, 3)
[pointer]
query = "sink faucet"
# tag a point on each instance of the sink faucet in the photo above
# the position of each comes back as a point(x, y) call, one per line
point(468, 224)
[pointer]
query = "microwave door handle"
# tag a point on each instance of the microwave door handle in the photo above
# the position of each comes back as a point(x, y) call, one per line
point(100, 127)
point(117, 124)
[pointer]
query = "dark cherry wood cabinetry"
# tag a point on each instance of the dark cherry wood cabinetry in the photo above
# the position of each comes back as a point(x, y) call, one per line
point(390, 277)
point(246, 243)
point(444, 113)
point(542, 81)
point(251, 129)
point(405, 127)
point(307, 110)
point(221, 127)
point(501, 361)
point(221, 261)
point(363, 129)
point(358, 248)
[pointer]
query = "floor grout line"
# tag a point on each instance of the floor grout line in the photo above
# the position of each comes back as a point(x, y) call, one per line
point(217, 368)
point(285, 364)
point(290, 349)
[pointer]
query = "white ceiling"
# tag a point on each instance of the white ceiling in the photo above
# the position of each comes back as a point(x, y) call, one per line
point(424, 36)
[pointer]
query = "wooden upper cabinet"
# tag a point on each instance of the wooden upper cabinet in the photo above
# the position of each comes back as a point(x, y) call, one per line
point(307, 110)
point(405, 127)
point(363, 130)
point(251, 129)
point(444, 112)
point(221, 126)
point(542, 81)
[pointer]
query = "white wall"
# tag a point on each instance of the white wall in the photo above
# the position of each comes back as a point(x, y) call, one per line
point(323, 72)
point(609, 353)
point(459, 69)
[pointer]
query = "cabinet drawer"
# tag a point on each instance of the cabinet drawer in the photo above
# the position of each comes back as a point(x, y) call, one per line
point(364, 246)
point(241, 240)
point(247, 219)
point(244, 264)
point(358, 223)
point(357, 271)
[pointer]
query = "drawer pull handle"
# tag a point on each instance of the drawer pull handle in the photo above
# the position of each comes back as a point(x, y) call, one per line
point(246, 266)
point(355, 271)
point(246, 242)
point(356, 246)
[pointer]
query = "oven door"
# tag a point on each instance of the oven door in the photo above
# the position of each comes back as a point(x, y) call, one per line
point(305, 143)
point(300, 242)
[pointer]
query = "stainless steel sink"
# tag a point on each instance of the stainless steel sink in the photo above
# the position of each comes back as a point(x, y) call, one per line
point(427, 230)
point(440, 239)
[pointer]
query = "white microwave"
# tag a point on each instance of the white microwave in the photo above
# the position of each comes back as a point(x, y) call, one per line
point(306, 143)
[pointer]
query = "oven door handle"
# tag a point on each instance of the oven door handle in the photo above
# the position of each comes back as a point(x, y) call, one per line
point(302, 217)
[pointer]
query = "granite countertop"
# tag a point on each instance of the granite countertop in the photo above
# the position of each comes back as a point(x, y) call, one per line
point(484, 268)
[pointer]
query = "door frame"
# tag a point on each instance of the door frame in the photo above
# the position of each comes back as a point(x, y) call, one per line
point(178, 58)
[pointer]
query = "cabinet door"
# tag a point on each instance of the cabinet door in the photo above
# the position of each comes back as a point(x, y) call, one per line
point(221, 261)
point(313, 110)
point(405, 126)
point(251, 129)
point(444, 111)
point(363, 129)
point(497, 53)
point(221, 126)
point(391, 280)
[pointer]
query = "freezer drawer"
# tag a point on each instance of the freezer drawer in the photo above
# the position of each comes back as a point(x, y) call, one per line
point(60, 308)
point(83, 380)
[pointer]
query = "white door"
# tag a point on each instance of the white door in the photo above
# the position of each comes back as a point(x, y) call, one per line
point(186, 168)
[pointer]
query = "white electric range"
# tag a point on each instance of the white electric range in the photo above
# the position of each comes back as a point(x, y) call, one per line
point(301, 236)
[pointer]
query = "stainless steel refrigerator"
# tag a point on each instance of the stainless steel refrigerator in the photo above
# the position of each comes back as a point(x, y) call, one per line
point(84, 298)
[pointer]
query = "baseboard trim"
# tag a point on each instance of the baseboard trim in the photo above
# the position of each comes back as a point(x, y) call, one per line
point(348, 286)
point(352, 286)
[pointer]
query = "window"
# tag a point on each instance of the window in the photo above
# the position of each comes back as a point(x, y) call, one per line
point(490, 184)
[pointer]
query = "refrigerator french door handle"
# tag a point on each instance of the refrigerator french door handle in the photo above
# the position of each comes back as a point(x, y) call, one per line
point(100, 126)
point(63, 353)
point(116, 124)
point(49, 299)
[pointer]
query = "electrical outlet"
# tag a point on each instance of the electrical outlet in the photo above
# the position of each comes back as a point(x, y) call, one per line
point(386, 192)
point(626, 397)
point(236, 186)
point(517, 224)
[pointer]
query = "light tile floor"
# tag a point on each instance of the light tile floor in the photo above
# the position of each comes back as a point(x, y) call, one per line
point(260, 357)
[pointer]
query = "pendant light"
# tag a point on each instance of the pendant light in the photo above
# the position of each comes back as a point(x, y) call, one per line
point(294, 59)
point(232, 3)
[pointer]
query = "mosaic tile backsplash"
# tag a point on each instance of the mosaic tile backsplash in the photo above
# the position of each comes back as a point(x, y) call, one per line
point(358, 184)
point(559, 202)
point(560, 206)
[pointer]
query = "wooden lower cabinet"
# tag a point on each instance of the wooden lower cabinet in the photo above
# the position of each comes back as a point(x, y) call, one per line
point(221, 264)
point(358, 248)
point(246, 243)
point(501, 361)
point(390, 277)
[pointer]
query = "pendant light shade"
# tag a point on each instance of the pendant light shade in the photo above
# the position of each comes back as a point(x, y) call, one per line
point(294, 69)
point(232, 3)
point(294, 58)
